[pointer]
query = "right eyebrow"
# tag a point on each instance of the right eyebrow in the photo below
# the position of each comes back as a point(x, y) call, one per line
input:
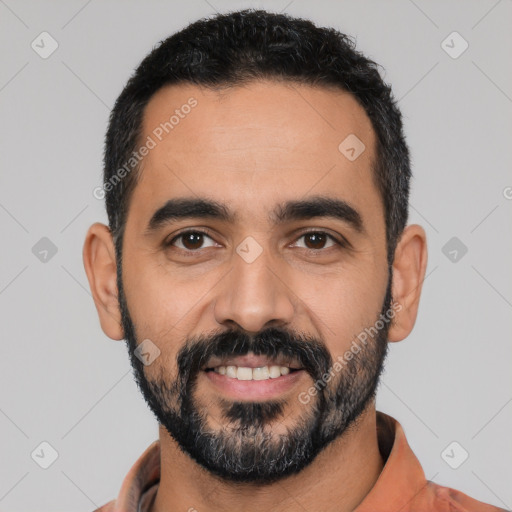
point(176, 209)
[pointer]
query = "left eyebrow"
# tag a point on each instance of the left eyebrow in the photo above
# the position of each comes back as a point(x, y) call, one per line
point(312, 207)
point(318, 206)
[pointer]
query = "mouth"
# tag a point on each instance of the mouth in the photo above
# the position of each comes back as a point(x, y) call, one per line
point(253, 377)
point(249, 373)
point(252, 367)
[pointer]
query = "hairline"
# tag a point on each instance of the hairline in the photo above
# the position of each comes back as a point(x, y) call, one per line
point(134, 177)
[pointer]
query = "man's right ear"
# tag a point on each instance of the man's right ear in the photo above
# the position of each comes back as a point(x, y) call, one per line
point(100, 267)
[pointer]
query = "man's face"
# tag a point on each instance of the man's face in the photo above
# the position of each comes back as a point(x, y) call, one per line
point(263, 282)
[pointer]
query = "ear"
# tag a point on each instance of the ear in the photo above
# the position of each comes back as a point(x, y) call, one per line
point(409, 268)
point(100, 267)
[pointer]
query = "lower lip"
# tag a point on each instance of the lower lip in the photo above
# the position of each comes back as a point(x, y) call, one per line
point(254, 389)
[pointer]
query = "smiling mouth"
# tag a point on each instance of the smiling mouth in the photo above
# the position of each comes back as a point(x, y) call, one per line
point(249, 373)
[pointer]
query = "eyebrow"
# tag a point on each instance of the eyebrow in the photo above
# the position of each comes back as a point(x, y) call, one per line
point(312, 207)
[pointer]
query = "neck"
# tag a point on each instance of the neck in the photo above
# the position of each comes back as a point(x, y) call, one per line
point(343, 473)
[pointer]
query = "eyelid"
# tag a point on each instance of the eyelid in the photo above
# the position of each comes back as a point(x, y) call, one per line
point(203, 231)
point(338, 239)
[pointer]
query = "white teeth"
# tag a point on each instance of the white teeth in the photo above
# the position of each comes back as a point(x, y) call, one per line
point(275, 371)
point(260, 373)
point(231, 371)
point(246, 373)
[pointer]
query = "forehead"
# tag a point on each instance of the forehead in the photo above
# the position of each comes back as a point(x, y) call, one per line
point(254, 146)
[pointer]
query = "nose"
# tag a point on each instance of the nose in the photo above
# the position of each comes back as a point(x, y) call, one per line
point(254, 296)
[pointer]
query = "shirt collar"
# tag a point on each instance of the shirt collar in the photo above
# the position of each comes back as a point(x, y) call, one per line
point(141, 482)
point(402, 479)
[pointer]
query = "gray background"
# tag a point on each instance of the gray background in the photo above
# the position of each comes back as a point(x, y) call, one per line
point(66, 383)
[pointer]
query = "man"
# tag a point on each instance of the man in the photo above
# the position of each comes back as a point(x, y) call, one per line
point(258, 262)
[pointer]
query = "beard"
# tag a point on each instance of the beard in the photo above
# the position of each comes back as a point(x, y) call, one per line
point(243, 446)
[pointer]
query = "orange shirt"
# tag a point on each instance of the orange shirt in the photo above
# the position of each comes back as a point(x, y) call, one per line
point(401, 486)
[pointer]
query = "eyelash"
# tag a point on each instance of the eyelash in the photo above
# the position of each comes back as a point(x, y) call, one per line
point(341, 243)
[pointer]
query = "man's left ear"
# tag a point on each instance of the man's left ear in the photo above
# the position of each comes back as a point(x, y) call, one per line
point(409, 268)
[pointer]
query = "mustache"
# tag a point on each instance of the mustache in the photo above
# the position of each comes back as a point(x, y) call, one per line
point(273, 342)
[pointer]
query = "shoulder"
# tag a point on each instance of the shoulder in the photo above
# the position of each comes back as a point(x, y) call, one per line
point(452, 500)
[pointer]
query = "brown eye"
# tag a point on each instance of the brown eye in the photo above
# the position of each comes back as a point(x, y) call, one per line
point(317, 240)
point(190, 240)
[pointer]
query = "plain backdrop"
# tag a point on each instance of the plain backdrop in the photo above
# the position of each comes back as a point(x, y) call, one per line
point(66, 384)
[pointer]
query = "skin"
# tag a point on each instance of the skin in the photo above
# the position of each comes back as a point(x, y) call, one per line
point(254, 147)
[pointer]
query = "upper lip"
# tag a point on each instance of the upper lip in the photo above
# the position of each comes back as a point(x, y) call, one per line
point(251, 361)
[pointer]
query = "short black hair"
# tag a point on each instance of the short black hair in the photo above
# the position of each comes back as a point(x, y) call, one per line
point(236, 48)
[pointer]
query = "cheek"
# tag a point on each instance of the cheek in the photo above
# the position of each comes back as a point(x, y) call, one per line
point(342, 306)
point(159, 310)
point(157, 299)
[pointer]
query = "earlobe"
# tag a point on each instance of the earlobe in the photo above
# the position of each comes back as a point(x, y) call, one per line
point(409, 267)
point(100, 267)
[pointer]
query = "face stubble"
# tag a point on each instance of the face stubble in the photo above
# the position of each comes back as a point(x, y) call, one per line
point(244, 447)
